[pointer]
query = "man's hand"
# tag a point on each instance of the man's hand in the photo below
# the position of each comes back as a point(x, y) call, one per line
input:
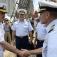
point(24, 53)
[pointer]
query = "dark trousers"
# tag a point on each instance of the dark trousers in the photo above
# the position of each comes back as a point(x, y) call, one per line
point(22, 43)
point(39, 45)
point(39, 55)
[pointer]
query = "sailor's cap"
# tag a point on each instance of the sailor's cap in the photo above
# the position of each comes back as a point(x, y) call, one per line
point(3, 7)
point(22, 11)
point(47, 5)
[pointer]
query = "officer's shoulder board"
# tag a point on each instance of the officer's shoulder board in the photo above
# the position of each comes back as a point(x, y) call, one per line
point(52, 28)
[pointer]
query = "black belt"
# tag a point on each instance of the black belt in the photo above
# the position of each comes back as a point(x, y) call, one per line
point(40, 40)
point(22, 36)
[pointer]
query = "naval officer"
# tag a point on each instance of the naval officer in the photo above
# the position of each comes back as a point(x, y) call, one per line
point(3, 43)
point(21, 30)
point(49, 18)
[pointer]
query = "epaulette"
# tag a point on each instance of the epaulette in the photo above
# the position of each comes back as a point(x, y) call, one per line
point(51, 29)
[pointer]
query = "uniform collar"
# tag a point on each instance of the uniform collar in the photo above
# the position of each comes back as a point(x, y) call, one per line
point(51, 25)
point(22, 21)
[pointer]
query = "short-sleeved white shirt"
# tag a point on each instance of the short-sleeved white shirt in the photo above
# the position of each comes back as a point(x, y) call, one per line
point(1, 38)
point(2, 32)
point(22, 28)
point(41, 31)
point(51, 40)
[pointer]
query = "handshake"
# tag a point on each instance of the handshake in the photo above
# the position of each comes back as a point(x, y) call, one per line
point(26, 53)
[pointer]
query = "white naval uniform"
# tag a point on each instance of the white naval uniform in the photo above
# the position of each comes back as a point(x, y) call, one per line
point(50, 43)
point(41, 31)
point(2, 32)
point(22, 28)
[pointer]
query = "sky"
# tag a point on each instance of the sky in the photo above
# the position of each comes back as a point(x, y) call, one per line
point(35, 2)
